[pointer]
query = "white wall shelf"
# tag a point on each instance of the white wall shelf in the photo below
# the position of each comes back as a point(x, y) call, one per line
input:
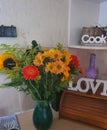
point(87, 47)
point(84, 13)
point(98, 0)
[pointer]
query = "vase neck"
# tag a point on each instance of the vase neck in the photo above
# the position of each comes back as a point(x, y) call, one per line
point(41, 103)
point(91, 71)
point(92, 61)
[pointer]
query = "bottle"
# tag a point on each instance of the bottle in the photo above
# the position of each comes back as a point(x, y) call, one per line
point(91, 71)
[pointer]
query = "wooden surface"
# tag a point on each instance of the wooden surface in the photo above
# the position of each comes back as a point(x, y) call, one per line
point(25, 121)
point(88, 108)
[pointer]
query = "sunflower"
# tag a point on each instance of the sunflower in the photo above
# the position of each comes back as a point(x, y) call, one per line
point(8, 60)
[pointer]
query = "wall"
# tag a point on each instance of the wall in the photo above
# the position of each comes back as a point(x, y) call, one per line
point(83, 13)
point(43, 20)
point(102, 14)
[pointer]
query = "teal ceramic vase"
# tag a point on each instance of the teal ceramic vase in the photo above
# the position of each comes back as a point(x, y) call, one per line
point(42, 115)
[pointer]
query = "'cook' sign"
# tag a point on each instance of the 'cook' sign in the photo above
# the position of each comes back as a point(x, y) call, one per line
point(91, 39)
point(89, 84)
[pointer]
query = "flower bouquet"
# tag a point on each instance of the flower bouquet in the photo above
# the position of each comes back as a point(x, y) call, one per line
point(42, 73)
point(37, 71)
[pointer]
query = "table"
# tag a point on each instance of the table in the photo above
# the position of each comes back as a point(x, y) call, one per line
point(25, 121)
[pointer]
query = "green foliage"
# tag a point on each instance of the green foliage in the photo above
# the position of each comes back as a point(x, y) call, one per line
point(59, 46)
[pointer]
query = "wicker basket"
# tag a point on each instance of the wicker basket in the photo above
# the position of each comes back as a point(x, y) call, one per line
point(94, 31)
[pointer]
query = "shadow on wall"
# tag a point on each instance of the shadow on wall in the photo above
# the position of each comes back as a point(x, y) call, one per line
point(13, 101)
point(3, 111)
point(26, 102)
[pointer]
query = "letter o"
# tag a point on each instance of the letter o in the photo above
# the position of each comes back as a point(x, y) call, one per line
point(98, 39)
point(79, 85)
point(92, 39)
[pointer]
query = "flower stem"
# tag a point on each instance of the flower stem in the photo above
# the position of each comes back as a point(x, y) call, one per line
point(35, 90)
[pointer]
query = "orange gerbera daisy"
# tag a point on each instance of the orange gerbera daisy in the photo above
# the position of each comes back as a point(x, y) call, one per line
point(30, 72)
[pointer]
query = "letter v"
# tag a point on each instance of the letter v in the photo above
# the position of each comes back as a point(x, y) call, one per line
point(94, 88)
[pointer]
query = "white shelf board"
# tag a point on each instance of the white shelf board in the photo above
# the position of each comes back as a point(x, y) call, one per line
point(98, 1)
point(88, 47)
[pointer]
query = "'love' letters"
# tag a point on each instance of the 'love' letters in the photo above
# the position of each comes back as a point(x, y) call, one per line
point(89, 84)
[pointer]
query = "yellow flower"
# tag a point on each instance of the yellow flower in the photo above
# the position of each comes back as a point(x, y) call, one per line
point(66, 56)
point(38, 59)
point(8, 60)
point(66, 73)
point(65, 78)
point(46, 53)
point(43, 49)
point(55, 54)
point(50, 67)
point(59, 67)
